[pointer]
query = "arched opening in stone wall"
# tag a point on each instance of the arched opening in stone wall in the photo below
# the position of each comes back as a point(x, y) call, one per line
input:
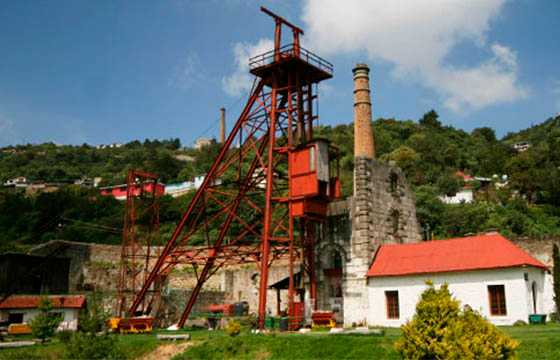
point(333, 274)
point(393, 182)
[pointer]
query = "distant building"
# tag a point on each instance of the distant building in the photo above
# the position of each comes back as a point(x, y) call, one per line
point(109, 146)
point(202, 142)
point(20, 181)
point(21, 309)
point(521, 146)
point(488, 273)
point(465, 195)
point(119, 191)
point(88, 182)
point(180, 189)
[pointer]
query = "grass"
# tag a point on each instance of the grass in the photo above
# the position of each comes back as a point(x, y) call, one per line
point(536, 342)
point(132, 345)
point(216, 345)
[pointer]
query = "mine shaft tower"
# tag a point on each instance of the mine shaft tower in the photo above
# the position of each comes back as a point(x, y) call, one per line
point(269, 186)
point(137, 249)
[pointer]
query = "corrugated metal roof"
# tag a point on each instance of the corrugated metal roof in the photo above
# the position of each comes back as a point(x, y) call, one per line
point(487, 251)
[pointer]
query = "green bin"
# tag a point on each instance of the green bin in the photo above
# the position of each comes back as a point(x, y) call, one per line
point(537, 319)
point(269, 323)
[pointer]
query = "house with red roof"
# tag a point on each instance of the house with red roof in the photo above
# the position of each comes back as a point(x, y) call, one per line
point(21, 309)
point(488, 273)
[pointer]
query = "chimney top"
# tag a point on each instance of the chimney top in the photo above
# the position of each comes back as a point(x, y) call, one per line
point(360, 66)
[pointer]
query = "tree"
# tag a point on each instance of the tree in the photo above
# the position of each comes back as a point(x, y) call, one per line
point(556, 278)
point(45, 323)
point(449, 184)
point(441, 330)
point(485, 133)
point(430, 120)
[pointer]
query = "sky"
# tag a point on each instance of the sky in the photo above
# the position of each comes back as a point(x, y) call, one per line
point(110, 71)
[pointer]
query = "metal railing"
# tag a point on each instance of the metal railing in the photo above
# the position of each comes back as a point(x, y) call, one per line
point(289, 51)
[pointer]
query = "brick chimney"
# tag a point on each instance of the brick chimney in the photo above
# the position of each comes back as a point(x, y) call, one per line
point(222, 125)
point(363, 155)
point(363, 133)
point(362, 208)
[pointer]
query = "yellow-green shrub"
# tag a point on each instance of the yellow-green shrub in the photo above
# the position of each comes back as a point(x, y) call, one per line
point(441, 330)
point(233, 328)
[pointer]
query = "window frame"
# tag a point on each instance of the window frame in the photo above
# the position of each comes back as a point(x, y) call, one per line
point(497, 300)
point(392, 305)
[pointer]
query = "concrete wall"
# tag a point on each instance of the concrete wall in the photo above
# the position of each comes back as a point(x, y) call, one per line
point(471, 288)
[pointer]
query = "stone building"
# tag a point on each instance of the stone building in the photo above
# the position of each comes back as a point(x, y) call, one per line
point(381, 210)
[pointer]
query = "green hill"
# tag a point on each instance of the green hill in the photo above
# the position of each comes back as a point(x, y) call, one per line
point(428, 152)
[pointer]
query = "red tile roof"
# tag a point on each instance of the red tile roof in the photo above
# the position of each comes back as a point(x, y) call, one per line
point(32, 301)
point(480, 252)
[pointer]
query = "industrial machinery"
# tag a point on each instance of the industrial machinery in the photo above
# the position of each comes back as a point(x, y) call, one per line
point(269, 186)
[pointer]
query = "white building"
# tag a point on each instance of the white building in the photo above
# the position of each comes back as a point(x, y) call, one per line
point(180, 189)
point(21, 309)
point(465, 195)
point(488, 272)
point(19, 181)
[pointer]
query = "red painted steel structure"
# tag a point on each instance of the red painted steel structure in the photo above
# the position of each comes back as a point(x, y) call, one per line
point(141, 224)
point(248, 209)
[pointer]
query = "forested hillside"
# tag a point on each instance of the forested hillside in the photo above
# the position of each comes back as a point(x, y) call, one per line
point(429, 153)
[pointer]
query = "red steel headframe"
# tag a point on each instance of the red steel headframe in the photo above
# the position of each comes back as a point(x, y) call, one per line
point(142, 201)
point(242, 212)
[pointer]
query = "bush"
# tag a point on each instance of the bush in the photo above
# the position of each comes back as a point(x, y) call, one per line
point(440, 330)
point(91, 346)
point(45, 323)
point(233, 328)
point(64, 336)
point(95, 318)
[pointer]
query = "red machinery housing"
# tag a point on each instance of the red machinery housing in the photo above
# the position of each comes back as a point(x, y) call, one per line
point(269, 186)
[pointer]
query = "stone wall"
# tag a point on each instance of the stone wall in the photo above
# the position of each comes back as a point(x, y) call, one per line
point(381, 211)
point(96, 267)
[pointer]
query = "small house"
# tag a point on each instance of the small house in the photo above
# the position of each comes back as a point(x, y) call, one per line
point(21, 309)
point(488, 273)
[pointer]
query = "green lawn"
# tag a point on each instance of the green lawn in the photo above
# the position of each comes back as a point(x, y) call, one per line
point(537, 342)
point(131, 345)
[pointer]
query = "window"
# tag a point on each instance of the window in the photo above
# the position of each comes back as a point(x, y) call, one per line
point(392, 300)
point(534, 293)
point(497, 295)
point(15, 318)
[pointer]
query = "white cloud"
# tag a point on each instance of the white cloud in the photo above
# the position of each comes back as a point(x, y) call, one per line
point(417, 37)
point(187, 74)
point(240, 80)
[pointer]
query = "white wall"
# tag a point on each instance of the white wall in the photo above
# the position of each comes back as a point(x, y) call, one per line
point(69, 322)
point(469, 287)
